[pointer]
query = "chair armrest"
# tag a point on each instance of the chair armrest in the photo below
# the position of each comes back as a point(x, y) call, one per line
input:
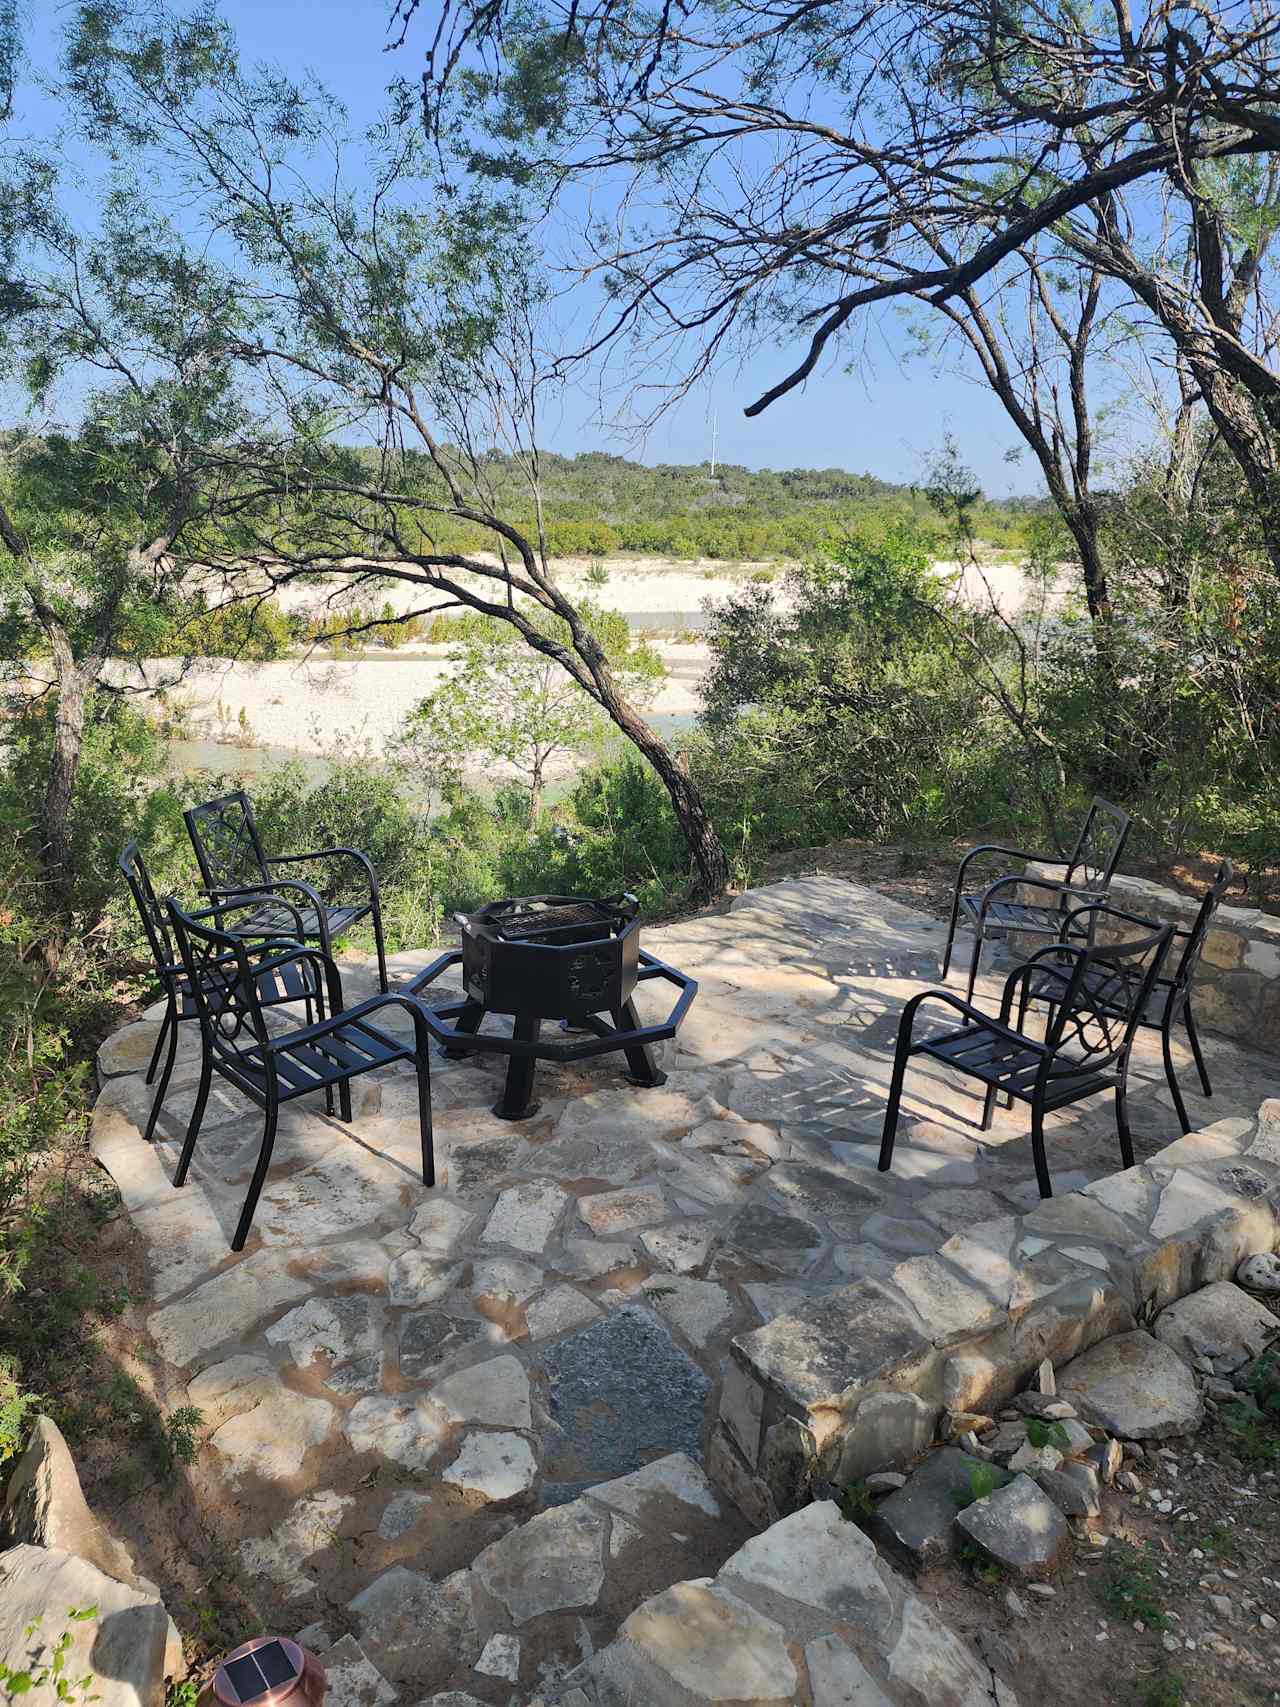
point(270, 889)
point(362, 1010)
point(1031, 964)
point(1010, 853)
point(254, 898)
point(972, 1013)
point(328, 853)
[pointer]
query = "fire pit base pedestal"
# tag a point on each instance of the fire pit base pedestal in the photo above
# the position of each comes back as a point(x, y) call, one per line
point(456, 1027)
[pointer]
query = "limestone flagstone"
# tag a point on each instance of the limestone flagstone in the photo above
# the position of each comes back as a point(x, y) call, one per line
point(270, 1441)
point(495, 1392)
point(1134, 1387)
point(310, 1526)
point(553, 1563)
point(496, 1466)
point(226, 1307)
point(404, 1429)
point(525, 1216)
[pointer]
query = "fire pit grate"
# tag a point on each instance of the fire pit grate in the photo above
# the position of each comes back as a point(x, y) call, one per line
point(569, 958)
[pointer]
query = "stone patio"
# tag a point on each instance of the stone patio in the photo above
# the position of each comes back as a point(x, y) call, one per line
point(396, 1381)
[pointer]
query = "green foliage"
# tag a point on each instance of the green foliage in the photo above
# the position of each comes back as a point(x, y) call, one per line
point(507, 701)
point(979, 1563)
point(1129, 1586)
point(856, 1502)
point(1041, 1433)
point(1166, 1690)
point(15, 1406)
point(840, 712)
point(984, 1479)
point(48, 1669)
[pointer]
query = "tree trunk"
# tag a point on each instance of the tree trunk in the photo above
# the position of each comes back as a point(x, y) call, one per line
point(64, 763)
point(705, 850)
point(535, 794)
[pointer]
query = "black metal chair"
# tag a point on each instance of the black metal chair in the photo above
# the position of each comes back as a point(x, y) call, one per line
point(224, 972)
point(290, 983)
point(1087, 1041)
point(228, 849)
point(1170, 999)
point(1087, 877)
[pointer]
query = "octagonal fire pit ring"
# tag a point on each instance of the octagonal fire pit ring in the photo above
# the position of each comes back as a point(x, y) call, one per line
point(553, 957)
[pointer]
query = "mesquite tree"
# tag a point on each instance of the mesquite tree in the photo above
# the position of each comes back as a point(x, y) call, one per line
point(757, 172)
point(125, 340)
point(395, 336)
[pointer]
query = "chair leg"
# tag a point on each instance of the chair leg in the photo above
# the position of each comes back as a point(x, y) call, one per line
point(197, 1115)
point(951, 937)
point(890, 1132)
point(1037, 1151)
point(424, 1119)
point(169, 1020)
point(988, 1107)
point(259, 1176)
point(1172, 1077)
point(973, 968)
point(1196, 1050)
point(163, 1086)
point(380, 945)
point(344, 1100)
point(1122, 1118)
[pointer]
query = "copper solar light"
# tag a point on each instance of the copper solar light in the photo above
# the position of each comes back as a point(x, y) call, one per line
point(268, 1671)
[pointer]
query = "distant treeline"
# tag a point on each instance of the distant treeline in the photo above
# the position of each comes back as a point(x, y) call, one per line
point(596, 504)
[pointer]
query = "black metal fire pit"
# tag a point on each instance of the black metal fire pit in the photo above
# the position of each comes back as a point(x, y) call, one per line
point(553, 957)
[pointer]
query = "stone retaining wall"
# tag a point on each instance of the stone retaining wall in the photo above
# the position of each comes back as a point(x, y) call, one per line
point(860, 1379)
point(1237, 985)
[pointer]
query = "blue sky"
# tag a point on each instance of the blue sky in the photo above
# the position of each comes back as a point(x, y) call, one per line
point(885, 416)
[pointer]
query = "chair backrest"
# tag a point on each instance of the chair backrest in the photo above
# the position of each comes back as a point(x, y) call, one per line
point(1098, 846)
point(1189, 959)
point(225, 838)
point(1106, 990)
point(155, 922)
point(223, 987)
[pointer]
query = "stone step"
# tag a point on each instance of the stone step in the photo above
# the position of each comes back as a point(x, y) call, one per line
point(549, 1594)
point(804, 1612)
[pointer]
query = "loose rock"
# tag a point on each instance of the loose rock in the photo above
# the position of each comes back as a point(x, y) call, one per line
point(1019, 1526)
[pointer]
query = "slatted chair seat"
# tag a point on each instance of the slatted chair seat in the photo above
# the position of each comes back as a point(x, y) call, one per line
point(225, 975)
point(1002, 908)
point(233, 864)
point(274, 921)
point(1100, 992)
point(1003, 917)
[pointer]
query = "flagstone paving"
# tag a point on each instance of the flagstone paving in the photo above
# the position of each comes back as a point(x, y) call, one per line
point(396, 1381)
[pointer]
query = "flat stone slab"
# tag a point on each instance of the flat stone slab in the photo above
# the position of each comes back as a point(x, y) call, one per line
point(440, 1227)
point(816, 1556)
point(407, 1619)
point(311, 1525)
point(552, 1563)
point(675, 1477)
point(338, 1329)
point(432, 1339)
point(704, 1642)
point(270, 1442)
point(494, 1466)
point(920, 1518)
point(351, 1680)
point(1019, 1526)
point(495, 1392)
point(525, 1216)
point(416, 1278)
point(406, 1430)
point(121, 1649)
point(226, 1307)
point(1134, 1387)
point(401, 1512)
point(559, 1310)
point(237, 1384)
point(621, 1392)
point(610, 1212)
point(1219, 1320)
